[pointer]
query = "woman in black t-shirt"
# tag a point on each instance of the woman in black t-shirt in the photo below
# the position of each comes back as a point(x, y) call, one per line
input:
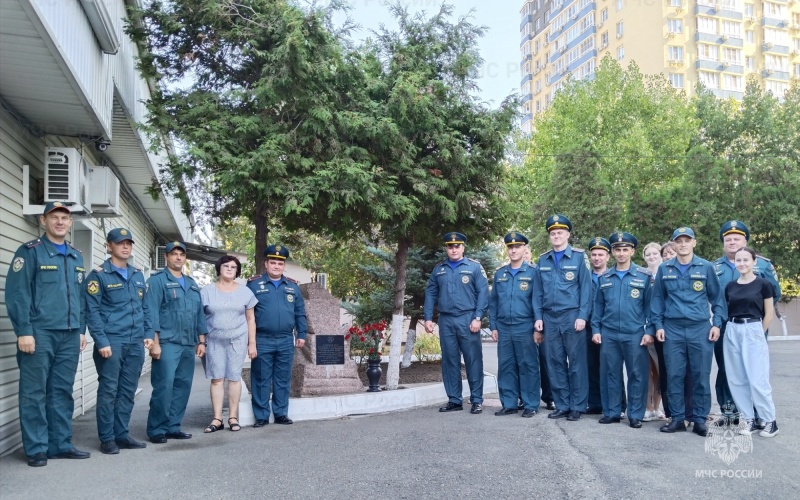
point(749, 300)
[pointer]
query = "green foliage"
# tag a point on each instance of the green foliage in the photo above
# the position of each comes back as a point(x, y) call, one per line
point(427, 347)
point(628, 152)
point(790, 289)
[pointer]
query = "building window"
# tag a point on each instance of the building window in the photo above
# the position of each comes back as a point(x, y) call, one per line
point(732, 56)
point(749, 36)
point(707, 52)
point(620, 29)
point(604, 39)
point(749, 10)
point(796, 70)
point(734, 5)
point(676, 79)
point(776, 36)
point(620, 52)
point(706, 25)
point(778, 89)
point(675, 26)
point(732, 82)
point(750, 63)
point(620, 4)
point(732, 29)
point(604, 15)
point(775, 10)
point(676, 3)
point(775, 62)
point(710, 80)
point(675, 53)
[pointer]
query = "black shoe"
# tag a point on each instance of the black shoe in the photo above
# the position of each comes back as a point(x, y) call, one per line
point(761, 424)
point(73, 453)
point(559, 414)
point(594, 411)
point(261, 423)
point(609, 420)
point(635, 423)
point(550, 405)
point(178, 435)
point(160, 439)
point(520, 406)
point(770, 429)
point(700, 428)
point(674, 426)
point(38, 460)
point(130, 444)
point(109, 448)
point(283, 420)
point(726, 421)
point(477, 408)
point(529, 413)
point(451, 407)
point(574, 416)
point(506, 411)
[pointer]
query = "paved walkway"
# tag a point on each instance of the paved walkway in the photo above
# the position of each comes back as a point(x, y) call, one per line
point(421, 453)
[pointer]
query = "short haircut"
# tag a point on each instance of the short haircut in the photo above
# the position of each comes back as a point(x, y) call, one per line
point(748, 250)
point(228, 258)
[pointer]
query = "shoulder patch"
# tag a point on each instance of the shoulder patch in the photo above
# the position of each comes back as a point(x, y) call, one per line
point(253, 278)
point(544, 253)
point(290, 280)
point(33, 243)
point(74, 248)
point(473, 260)
point(762, 258)
point(98, 269)
point(156, 272)
point(643, 270)
point(580, 250)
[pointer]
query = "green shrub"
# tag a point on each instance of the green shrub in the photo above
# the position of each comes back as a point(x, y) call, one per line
point(427, 347)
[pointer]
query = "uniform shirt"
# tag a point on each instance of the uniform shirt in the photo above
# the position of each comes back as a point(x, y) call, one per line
point(565, 286)
point(686, 296)
point(176, 314)
point(463, 290)
point(622, 305)
point(280, 311)
point(114, 305)
point(763, 268)
point(44, 289)
point(511, 299)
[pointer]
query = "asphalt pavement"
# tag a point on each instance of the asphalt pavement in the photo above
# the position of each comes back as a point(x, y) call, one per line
point(421, 453)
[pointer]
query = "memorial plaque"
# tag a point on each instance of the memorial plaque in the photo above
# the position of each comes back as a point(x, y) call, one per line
point(330, 349)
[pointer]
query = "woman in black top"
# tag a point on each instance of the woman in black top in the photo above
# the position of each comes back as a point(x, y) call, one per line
point(749, 300)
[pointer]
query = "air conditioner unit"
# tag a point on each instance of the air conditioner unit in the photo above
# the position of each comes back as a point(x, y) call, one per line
point(725, 64)
point(752, 19)
point(600, 24)
point(724, 38)
point(159, 258)
point(619, 35)
point(767, 72)
point(767, 46)
point(669, 35)
point(679, 10)
point(65, 176)
point(104, 192)
point(574, 16)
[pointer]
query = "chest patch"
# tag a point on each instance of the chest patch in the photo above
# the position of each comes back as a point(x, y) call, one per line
point(698, 286)
point(523, 286)
point(290, 297)
point(635, 293)
point(569, 276)
point(465, 279)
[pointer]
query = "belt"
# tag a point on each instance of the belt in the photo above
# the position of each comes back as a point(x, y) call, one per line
point(742, 321)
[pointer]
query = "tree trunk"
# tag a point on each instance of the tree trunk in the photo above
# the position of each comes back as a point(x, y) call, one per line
point(398, 316)
point(411, 337)
point(262, 235)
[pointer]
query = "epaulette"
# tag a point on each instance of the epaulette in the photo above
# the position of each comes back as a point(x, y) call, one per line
point(643, 270)
point(98, 269)
point(157, 271)
point(253, 278)
point(762, 257)
point(138, 270)
point(33, 243)
point(581, 250)
point(291, 280)
point(475, 261)
point(544, 253)
point(501, 267)
point(74, 248)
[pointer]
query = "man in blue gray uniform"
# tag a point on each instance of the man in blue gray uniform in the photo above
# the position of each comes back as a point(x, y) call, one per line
point(599, 253)
point(620, 324)
point(176, 323)
point(735, 235)
point(115, 317)
point(458, 287)
point(561, 306)
point(511, 322)
point(279, 313)
point(683, 290)
point(47, 308)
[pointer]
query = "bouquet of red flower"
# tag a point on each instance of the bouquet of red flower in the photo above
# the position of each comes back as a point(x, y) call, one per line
point(367, 338)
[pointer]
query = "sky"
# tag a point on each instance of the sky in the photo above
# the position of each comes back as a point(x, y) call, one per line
point(500, 74)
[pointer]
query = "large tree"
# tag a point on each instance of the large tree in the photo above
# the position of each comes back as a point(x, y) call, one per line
point(387, 142)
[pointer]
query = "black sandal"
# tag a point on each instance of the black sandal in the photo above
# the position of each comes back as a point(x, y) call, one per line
point(214, 428)
point(234, 427)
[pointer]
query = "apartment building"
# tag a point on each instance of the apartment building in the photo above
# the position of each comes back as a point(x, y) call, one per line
point(717, 42)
